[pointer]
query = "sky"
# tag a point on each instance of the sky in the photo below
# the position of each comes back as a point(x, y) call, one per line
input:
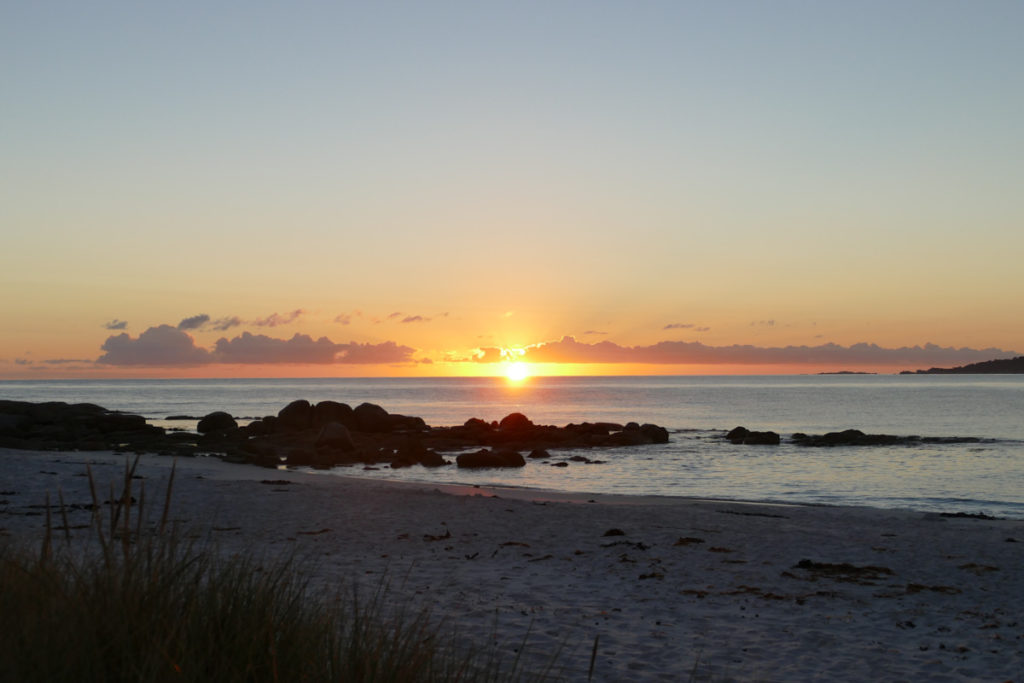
point(295, 189)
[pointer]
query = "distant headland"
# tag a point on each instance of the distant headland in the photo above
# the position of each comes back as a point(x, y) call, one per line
point(1004, 366)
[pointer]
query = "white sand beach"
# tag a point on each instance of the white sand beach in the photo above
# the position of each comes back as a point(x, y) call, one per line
point(722, 590)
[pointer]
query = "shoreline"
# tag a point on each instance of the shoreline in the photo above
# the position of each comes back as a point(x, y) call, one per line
point(730, 590)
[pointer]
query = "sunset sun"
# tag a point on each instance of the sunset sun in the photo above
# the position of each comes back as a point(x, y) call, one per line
point(517, 371)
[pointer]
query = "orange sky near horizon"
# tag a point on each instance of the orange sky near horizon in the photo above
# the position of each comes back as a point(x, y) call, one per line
point(669, 188)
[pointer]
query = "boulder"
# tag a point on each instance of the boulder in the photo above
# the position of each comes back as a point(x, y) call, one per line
point(475, 424)
point(335, 435)
point(296, 416)
point(656, 434)
point(515, 422)
point(217, 421)
point(370, 417)
point(852, 437)
point(406, 423)
point(742, 435)
point(627, 437)
point(325, 412)
point(486, 458)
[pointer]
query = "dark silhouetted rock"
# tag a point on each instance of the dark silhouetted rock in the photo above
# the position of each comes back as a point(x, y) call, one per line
point(217, 421)
point(851, 437)
point(370, 417)
point(325, 412)
point(486, 458)
point(655, 433)
point(296, 416)
point(538, 454)
point(476, 424)
point(742, 435)
point(335, 435)
point(515, 422)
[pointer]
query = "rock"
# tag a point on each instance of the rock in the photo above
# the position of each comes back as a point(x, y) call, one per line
point(515, 422)
point(430, 458)
point(851, 437)
point(627, 437)
point(486, 458)
point(325, 412)
point(217, 421)
point(406, 423)
point(742, 435)
point(296, 416)
point(655, 433)
point(477, 425)
point(370, 417)
point(538, 454)
point(336, 436)
point(119, 422)
point(11, 424)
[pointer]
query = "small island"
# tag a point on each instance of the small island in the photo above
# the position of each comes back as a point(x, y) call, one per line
point(847, 372)
point(1002, 366)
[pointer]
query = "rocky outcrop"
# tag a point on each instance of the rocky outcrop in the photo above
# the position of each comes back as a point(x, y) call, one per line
point(516, 431)
point(855, 437)
point(322, 435)
point(742, 435)
point(57, 425)
point(847, 437)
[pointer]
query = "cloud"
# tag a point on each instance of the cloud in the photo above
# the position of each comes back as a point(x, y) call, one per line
point(569, 350)
point(259, 348)
point(23, 361)
point(301, 348)
point(66, 361)
point(343, 318)
point(165, 345)
point(394, 315)
point(161, 345)
point(415, 319)
point(225, 324)
point(116, 324)
point(597, 332)
point(274, 320)
point(763, 323)
point(488, 354)
point(194, 323)
point(678, 326)
point(385, 352)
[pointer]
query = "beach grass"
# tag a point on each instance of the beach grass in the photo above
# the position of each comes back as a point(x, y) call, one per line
point(144, 601)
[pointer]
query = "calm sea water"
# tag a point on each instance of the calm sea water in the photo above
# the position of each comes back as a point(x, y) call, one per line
point(979, 477)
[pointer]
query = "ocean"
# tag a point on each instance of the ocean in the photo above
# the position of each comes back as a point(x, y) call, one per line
point(984, 477)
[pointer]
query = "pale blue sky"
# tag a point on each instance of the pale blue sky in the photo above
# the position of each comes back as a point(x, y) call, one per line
point(845, 168)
